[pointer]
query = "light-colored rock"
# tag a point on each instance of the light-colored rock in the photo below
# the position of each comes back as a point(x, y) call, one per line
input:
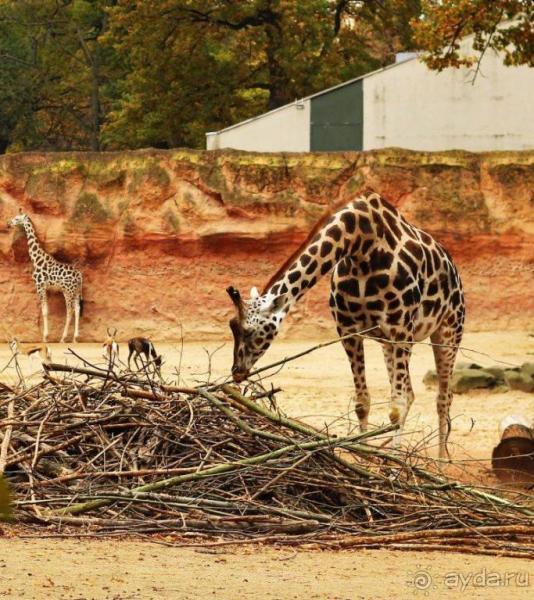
point(519, 380)
point(498, 373)
point(430, 379)
point(467, 365)
point(465, 380)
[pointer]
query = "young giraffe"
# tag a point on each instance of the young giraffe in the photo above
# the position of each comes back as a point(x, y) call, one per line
point(50, 274)
point(388, 275)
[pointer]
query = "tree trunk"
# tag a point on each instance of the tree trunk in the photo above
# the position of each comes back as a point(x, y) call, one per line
point(4, 143)
point(95, 100)
point(279, 92)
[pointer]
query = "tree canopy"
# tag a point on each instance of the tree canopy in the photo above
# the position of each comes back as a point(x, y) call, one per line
point(110, 74)
point(503, 25)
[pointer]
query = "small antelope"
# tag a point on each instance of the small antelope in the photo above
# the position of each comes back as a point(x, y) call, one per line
point(31, 350)
point(142, 345)
point(111, 346)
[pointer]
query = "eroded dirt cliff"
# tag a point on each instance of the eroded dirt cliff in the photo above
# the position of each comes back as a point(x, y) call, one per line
point(159, 235)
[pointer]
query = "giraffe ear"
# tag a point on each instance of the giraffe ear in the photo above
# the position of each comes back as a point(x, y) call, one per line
point(254, 293)
point(274, 304)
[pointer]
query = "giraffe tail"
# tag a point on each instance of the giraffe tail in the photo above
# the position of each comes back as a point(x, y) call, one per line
point(81, 307)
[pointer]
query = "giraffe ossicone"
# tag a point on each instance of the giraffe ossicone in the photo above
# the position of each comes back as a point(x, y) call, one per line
point(51, 274)
point(387, 275)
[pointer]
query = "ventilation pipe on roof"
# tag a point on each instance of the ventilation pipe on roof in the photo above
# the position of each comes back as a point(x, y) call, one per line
point(404, 56)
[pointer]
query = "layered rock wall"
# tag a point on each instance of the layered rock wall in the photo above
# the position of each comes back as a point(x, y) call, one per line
point(159, 235)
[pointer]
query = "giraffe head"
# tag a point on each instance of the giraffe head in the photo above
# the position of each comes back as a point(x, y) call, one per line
point(19, 220)
point(254, 327)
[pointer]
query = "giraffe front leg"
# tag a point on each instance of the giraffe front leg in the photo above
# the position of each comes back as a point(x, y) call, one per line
point(68, 308)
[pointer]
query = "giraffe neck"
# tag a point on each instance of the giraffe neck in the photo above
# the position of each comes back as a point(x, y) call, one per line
point(34, 248)
point(343, 234)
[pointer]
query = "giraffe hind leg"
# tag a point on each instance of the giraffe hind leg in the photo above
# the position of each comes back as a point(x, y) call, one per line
point(44, 311)
point(69, 305)
point(76, 319)
point(445, 357)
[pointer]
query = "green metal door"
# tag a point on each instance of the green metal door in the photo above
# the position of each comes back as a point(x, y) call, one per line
point(337, 119)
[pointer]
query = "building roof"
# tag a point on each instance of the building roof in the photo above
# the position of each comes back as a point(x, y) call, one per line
point(320, 93)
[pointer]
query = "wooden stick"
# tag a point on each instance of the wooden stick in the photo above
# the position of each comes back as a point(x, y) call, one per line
point(350, 541)
point(463, 549)
point(7, 436)
point(283, 361)
point(212, 471)
point(23, 455)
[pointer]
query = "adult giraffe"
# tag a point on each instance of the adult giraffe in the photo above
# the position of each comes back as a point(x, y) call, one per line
point(50, 274)
point(388, 275)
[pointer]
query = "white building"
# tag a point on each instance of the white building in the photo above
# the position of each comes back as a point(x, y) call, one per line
point(404, 105)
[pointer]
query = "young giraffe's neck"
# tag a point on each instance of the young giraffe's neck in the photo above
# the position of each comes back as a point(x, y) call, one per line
point(34, 248)
point(344, 233)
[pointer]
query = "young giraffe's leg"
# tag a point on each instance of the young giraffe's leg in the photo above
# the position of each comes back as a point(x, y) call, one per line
point(76, 320)
point(445, 356)
point(354, 349)
point(69, 305)
point(44, 310)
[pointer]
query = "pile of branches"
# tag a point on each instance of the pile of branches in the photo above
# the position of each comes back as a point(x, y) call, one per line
point(123, 453)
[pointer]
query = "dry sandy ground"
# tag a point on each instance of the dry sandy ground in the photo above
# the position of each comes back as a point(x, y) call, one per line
point(316, 388)
point(53, 569)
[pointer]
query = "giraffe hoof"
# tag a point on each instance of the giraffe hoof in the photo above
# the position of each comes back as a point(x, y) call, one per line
point(394, 416)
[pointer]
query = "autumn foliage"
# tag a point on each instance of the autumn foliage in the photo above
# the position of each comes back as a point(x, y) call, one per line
point(113, 74)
